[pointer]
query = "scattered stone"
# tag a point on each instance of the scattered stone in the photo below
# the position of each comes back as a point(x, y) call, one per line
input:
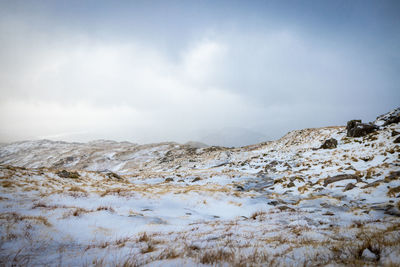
point(291, 184)
point(349, 186)
point(196, 179)
point(328, 213)
point(285, 208)
point(273, 203)
point(397, 140)
point(394, 133)
point(369, 255)
point(391, 210)
point(329, 144)
point(341, 177)
point(169, 179)
point(357, 129)
point(395, 175)
point(298, 177)
point(67, 174)
point(287, 166)
point(69, 159)
point(112, 175)
point(271, 166)
point(367, 158)
point(239, 187)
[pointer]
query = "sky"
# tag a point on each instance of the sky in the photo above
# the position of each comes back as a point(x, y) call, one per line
point(222, 72)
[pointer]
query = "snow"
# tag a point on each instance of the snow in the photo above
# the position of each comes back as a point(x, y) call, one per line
point(264, 204)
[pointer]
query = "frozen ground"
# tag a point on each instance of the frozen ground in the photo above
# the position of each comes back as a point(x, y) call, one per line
point(275, 203)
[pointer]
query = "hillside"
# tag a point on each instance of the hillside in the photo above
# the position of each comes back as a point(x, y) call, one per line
point(293, 201)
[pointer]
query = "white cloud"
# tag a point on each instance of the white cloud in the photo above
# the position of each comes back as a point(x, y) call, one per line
point(76, 87)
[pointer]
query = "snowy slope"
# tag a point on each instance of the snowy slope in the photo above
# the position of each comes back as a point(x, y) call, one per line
point(283, 202)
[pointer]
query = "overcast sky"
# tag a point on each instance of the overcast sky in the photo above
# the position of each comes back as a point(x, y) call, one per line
point(225, 72)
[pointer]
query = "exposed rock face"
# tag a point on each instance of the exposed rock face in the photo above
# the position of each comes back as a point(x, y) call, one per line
point(329, 144)
point(341, 177)
point(397, 140)
point(357, 129)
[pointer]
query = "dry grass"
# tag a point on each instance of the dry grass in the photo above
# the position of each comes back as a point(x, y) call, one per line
point(77, 189)
point(393, 191)
point(143, 237)
point(260, 215)
point(15, 217)
point(214, 256)
point(46, 206)
point(116, 191)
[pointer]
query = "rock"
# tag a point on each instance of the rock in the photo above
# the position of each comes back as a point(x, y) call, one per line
point(329, 144)
point(351, 124)
point(273, 203)
point(69, 159)
point(112, 175)
point(328, 213)
point(169, 179)
point(341, 177)
point(291, 184)
point(397, 140)
point(394, 133)
point(369, 255)
point(239, 187)
point(367, 158)
point(392, 116)
point(394, 119)
point(271, 166)
point(394, 175)
point(349, 186)
point(357, 129)
point(196, 179)
point(67, 174)
point(285, 208)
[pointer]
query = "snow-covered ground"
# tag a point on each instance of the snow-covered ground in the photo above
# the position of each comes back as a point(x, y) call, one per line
point(274, 203)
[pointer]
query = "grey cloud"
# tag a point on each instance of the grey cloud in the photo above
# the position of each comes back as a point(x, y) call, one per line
point(71, 84)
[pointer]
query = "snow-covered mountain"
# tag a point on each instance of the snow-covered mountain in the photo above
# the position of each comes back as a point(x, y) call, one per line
point(313, 197)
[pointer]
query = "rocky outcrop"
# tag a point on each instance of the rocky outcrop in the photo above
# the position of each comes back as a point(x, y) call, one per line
point(388, 118)
point(329, 144)
point(355, 128)
point(395, 119)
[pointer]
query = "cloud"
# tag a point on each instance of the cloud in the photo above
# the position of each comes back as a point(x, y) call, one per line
point(76, 86)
